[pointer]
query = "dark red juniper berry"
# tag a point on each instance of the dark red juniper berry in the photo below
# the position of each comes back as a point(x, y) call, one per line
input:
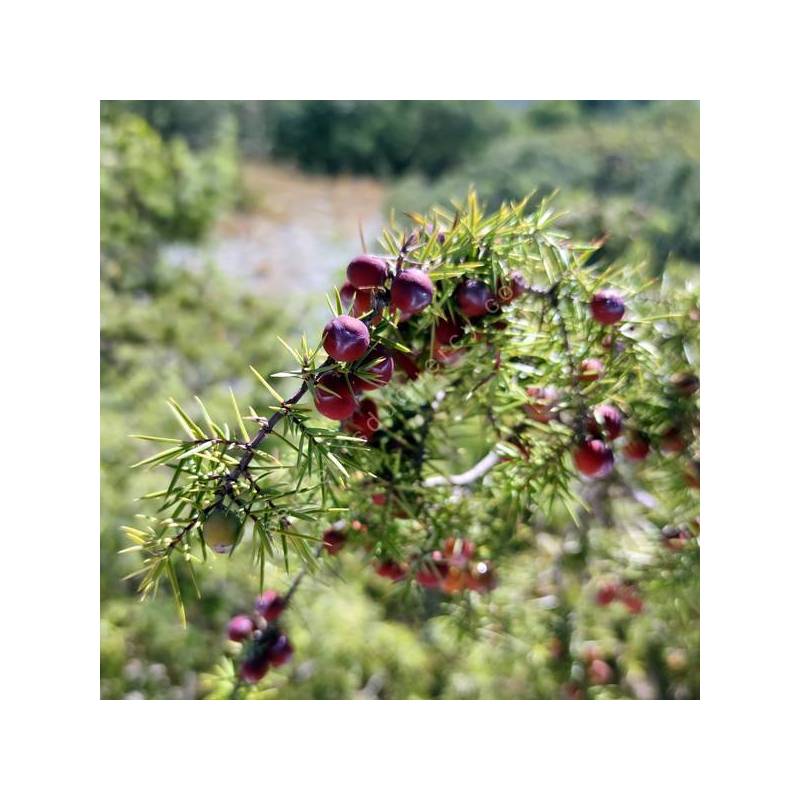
point(607, 421)
point(600, 672)
point(412, 291)
point(591, 369)
point(672, 441)
point(254, 667)
point(280, 651)
point(606, 594)
point(637, 447)
point(458, 552)
point(691, 474)
point(631, 599)
point(391, 570)
point(379, 365)
point(270, 605)
point(446, 331)
point(675, 538)
point(345, 338)
point(481, 577)
point(333, 540)
point(407, 363)
point(685, 383)
point(514, 287)
point(607, 307)
point(347, 294)
point(593, 458)
point(447, 355)
point(240, 627)
point(543, 401)
point(355, 302)
point(432, 571)
point(365, 420)
point(367, 272)
point(475, 298)
point(363, 303)
point(333, 396)
point(270, 648)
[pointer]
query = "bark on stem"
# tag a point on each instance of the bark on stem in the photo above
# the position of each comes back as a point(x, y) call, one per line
point(465, 478)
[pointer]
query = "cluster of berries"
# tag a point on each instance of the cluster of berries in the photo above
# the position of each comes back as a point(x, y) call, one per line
point(451, 569)
point(593, 455)
point(265, 644)
point(597, 669)
point(594, 669)
point(336, 537)
point(346, 338)
point(625, 593)
point(369, 289)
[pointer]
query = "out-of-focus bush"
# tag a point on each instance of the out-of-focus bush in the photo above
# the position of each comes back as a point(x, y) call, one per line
point(153, 191)
point(198, 122)
point(356, 636)
point(190, 337)
point(625, 168)
point(630, 171)
point(384, 137)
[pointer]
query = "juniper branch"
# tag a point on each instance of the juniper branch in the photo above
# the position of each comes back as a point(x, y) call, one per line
point(230, 478)
point(488, 462)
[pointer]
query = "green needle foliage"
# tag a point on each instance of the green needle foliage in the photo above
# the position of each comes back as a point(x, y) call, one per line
point(461, 454)
point(153, 191)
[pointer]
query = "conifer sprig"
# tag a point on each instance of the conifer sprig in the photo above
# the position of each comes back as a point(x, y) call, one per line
point(465, 426)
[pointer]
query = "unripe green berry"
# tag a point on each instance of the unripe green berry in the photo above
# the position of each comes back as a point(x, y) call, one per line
point(221, 530)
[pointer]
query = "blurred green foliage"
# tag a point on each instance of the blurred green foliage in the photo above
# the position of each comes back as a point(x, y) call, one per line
point(154, 191)
point(384, 137)
point(185, 339)
point(168, 170)
point(628, 171)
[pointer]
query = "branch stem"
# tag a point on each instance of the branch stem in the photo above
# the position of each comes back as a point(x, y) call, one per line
point(488, 462)
point(233, 475)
